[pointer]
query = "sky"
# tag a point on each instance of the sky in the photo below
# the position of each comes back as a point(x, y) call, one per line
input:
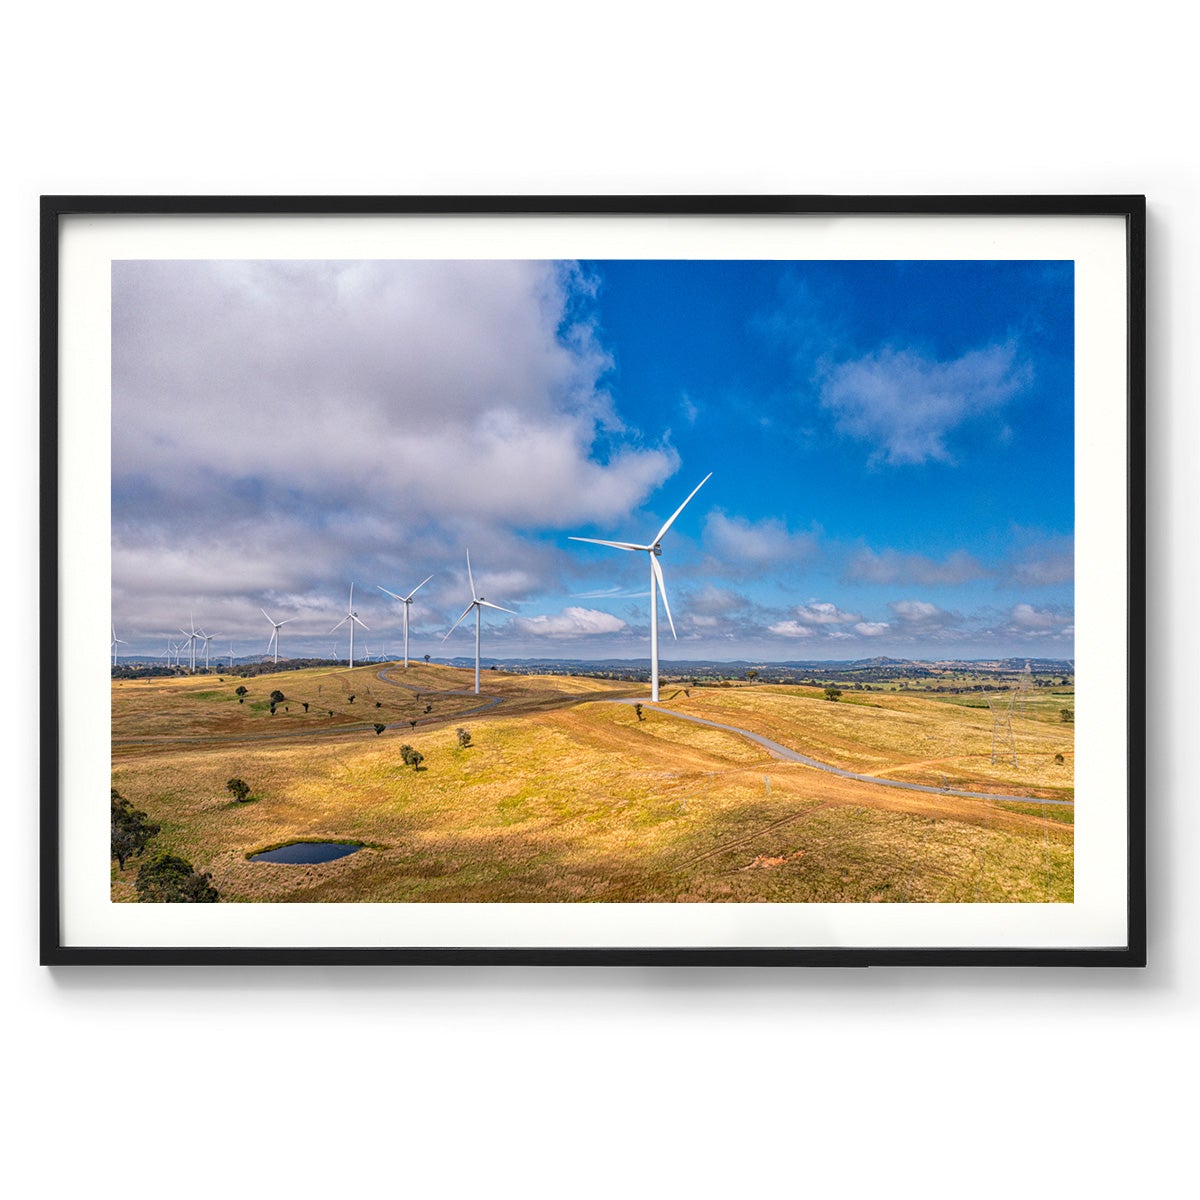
point(891, 447)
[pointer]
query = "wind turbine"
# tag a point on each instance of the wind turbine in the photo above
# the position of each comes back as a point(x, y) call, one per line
point(654, 549)
point(352, 617)
point(192, 638)
point(406, 601)
point(207, 637)
point(116, 641)
point(478, 603)
point(276, 626)
point(231, 656)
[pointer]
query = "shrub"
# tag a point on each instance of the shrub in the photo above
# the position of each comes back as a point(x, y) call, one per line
point(415, 759)
point(379, 728)
point(833, 693)
point(406, 753)
point(168, 879)
point(277, 697)
point(637, 708)
point(1066, 715)
point(464, 737)
point(351, 697)
point(239, 787)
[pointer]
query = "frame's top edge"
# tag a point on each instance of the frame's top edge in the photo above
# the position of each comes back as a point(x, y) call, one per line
point(615, 205)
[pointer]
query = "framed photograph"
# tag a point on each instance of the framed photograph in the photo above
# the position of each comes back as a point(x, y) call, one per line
point(653, 580)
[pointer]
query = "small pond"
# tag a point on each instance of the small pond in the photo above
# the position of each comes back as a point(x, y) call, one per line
point(306, 852)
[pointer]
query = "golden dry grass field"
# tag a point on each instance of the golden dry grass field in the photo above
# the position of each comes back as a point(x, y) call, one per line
point(563, 797)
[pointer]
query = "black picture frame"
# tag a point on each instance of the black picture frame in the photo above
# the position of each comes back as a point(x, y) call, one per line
point(56, 211)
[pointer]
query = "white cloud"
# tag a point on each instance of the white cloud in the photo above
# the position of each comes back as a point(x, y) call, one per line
point(570, 623)
point(791, 629)
point(894, 567)
point(906, 405)
point(736, 540)
point(871, 628)
point(922, 614)
point(821, 612)
point(1025, 618)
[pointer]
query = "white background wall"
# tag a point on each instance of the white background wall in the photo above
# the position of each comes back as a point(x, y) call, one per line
point(573, 1082)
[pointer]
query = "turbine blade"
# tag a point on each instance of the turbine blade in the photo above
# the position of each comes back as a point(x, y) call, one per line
point(489, 604)
point(416, 589)
point(459, 621)
point(264, 613)
point(357, 621)
point(340, 623)
point(471, 578)
point(618, 545)
point(662, 587)
point(281, 624)
point(386, 592)
point(680, 509)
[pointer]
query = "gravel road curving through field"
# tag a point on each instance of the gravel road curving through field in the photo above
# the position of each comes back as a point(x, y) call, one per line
point(790, 755)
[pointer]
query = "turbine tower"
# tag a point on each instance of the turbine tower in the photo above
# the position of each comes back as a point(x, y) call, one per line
point(192, 639)
point(406, 601)
point(208, 638)
point(653, 550)
point(350, 616)
point(116, 641)
point(276, 626)
point(478, 603)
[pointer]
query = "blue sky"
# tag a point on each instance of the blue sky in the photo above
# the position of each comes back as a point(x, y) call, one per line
point(891, 448)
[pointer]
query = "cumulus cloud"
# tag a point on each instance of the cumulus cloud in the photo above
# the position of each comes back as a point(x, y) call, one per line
point(821, 612)
point(894, 567)
point(1044, 563)
point(572, 622)
point(371, 385)
point(790, 629)
point(1030, 621)
point(906, 406)
point(871, 628)
point(922, 614)
point(738, 541)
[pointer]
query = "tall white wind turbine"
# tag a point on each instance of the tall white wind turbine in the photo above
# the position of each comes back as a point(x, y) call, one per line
point(192, 638)
point(478, 603)
point(276, 626)
point(406, 601)
point(654, 549)
point(352, 617)
point(207, 638)
point(116, 641)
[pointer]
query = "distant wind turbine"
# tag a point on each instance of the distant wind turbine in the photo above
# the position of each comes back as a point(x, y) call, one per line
point(192, 638)
point(352, 617)
point(654, 549)
point(116, 641)
point(276, 626)
point(406, 601)
point(208, 638)
point(477, 603)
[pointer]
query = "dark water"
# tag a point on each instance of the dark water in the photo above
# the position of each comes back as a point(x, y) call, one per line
point(306, 852)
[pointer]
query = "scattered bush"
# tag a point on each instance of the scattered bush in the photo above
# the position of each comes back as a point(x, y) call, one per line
point(379, 728)
point(305, 703)
point(637, 708)
point(1058, 758)
point(168, 879)
point(131, 829)
point(1066, 715)
point(464, 737)
point(240, 693)
point(277, 697)
point(378, 703)
point(833, 693)
point(416, 759)
point(239, 787)
point(351, 697)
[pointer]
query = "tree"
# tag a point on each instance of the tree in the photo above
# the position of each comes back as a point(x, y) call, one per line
point(239, 787)
point(305, 703)
point(240, 693)
point(412, 724)
point(379, 728)
point(351, 697)
point(427, 660)
point(131, 829)
point(1066, 715)
point(833, 693)
point(637, 708)
point(415, 759)
point(752, 674)
point(277, 697)
point(406, 753)
point(168, 879)
point(464, 737)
